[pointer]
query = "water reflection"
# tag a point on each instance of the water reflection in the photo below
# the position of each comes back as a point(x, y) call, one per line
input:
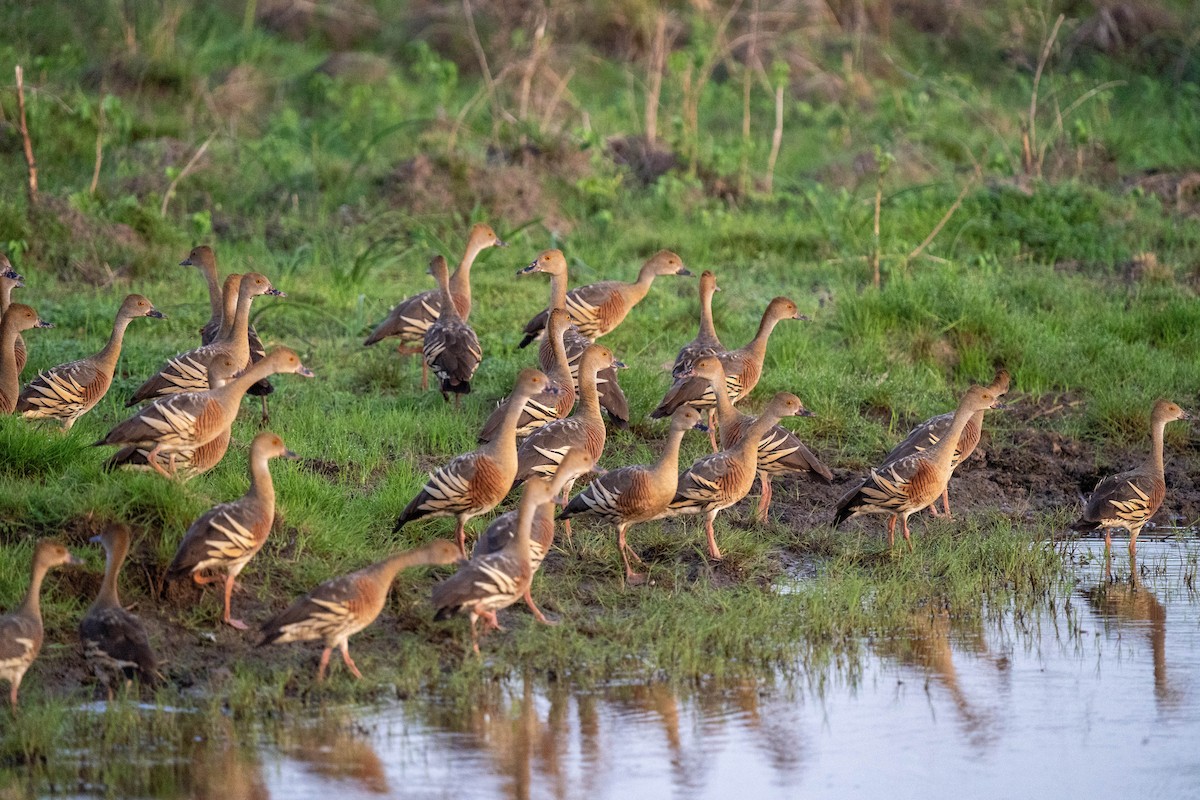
point(1126, 604)
point(1017, 698)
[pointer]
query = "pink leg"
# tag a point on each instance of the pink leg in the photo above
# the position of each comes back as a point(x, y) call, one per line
point(764, 501)
point(228, 620)
point(324, 663)
point(474, 633)
point(203, 580)
point(631, 578)
point(152, 460)
point(1133, 543)
point(350, 661)
point(907, 537)
point(12, 695)
point(891, 532)
point(713, 550)
point(946, 501)
point(460, 532)
point(537, 612)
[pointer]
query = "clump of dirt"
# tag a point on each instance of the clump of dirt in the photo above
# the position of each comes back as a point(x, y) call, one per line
point(645, 160)
point(240, 97)
point(356, 67)
point(343, 24)
point(513, 188)
point(81, 247)
point(1118, 28)
point(1178, 191)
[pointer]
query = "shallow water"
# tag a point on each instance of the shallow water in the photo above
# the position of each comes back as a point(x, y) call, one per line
point(1097, 695)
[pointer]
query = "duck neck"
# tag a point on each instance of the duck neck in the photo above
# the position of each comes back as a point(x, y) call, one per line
point(589, 395)
point(561, 373)
point(209, 271)
point(229, 307)
point(725, 410)
point(525, 515)
point(668, 462)
point(449, 310)
point(757, 346)
point(389, 568)
point(460, 281)
point(32, 605)
point(237, 386)
point(558, 290)
point(1156, 446)
point(114, 557)
point(707, 330)
point(241, 319)
point(6, 288)
point(503, 446)
point(942, 453)
point(112, 350)
point(747, 446)
point(635, 292)
point(10, 378)
point(261, 485)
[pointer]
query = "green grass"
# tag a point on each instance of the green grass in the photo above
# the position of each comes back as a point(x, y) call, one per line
point(1032, 274)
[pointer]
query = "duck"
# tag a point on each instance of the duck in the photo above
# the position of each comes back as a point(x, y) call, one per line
point(543, 449)
point(1129, 499)
point(630, 495)
point(68, 391)
point(598, 308)
point(189, 420)
point(451, 348)
point(115, 643)
point(495, 581)
point(717, 481)
point(743, 367)
point(612, 399)
point(188, 372)
point(342, 606)
point(411, 317)
point(706, 342)
point(474, 483)
point(188, 463)
point(780, 452)
point(21, 632)
point(205, 260)
point(503, 528)
point(543, 409)
point(907, 486)
point(19, 317)
point(10, 279)
point(227, 536)
point(928, 432)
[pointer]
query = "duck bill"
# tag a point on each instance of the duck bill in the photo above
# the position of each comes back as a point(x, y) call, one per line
point(154, 312)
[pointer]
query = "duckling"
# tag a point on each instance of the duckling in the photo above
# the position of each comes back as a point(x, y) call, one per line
point(743, 367)
point(205, 260)
point(1129, 499)
point(599, 308)
point(21, 632)
point(189, 420)
point(9, 280)
point(451, 349)
point(343, 606)
point(928, 432)
point(483, 586)
point(612, 399)
point(780, 452)
point(227, 536)
point(19, 317)
point(636, 494)
point(717, 481)
point(503, 528)
point(69, 391)
point(544, 408)
point(115, 643)
point(188, 372)
point(904, 487)
point(475, 483)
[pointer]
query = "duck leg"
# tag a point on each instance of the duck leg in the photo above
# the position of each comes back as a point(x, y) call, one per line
point(266, 414)
point(474, 633)
point(152, 460)
point(537, 612)
point(891, 531)
point(946, 502)
point(12, 695)
point(764, 501)
point(631, 578)
point(713, 550)
point(350, 661)
point(1133, 534)
point(907, 537)
point(460, 531)
point(324, 663)
point(226, 618)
